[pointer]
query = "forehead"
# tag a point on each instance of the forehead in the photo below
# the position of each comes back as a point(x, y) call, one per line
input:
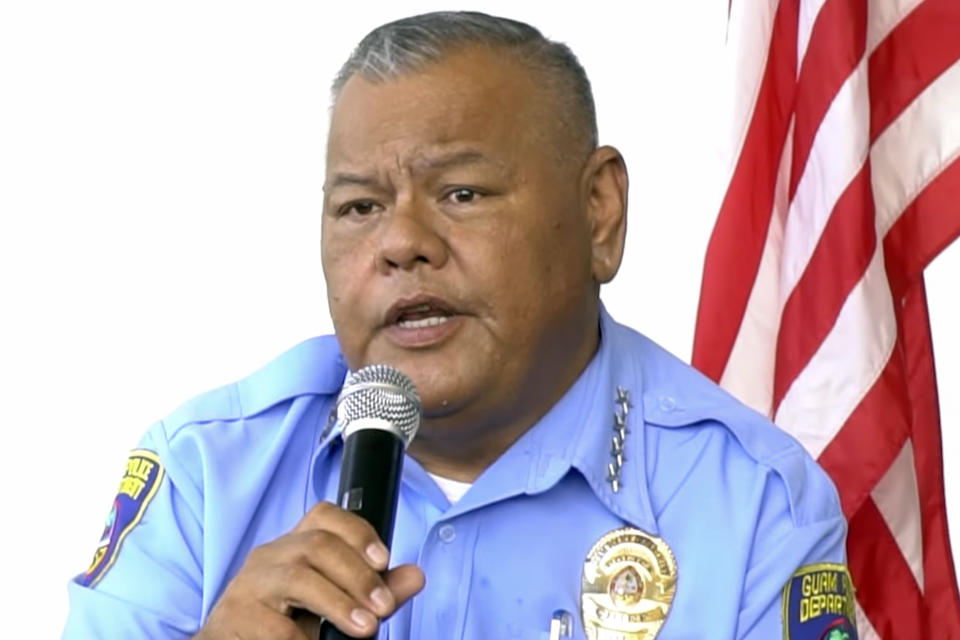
point(477, 97)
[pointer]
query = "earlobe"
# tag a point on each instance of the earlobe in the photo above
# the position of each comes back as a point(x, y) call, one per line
point(605, 185)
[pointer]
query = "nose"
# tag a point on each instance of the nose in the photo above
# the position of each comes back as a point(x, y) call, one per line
point(409, 238)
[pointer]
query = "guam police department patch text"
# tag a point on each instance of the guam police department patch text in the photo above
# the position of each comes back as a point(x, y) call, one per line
point(818, 604)
point(140, 483)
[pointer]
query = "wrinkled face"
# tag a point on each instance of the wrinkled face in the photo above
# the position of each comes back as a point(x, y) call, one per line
point(455, 246)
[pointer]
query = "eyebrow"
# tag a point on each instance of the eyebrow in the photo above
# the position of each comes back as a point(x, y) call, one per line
point(442, 161)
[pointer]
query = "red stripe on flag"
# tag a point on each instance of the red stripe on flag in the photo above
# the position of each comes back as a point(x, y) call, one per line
point(837, 43)
point(886, 589)
point(942, 599)
point(927, 226)
point(922, 46)
point(845, 248)
point(736, 245)
point(874, 432)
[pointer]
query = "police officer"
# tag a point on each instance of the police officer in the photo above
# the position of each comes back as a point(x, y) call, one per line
point(570, 478)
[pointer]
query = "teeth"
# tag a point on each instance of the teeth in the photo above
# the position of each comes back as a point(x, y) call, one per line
point(423, 322)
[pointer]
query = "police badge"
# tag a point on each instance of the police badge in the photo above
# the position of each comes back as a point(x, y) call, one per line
point(628, 583)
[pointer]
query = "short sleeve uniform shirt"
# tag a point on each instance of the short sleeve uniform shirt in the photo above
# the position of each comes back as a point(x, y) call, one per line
point(753, 524)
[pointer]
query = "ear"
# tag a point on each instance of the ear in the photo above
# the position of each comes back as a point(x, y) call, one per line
point(604, 182)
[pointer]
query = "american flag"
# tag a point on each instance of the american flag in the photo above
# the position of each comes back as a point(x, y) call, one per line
point(844, 185)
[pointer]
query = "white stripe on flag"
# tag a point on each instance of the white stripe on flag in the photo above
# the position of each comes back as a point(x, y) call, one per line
point(839, 150)
point(915, 147)
point(750, 367)
point(898, 500)
point(750, 21)
point(808, 16)
point(846, 364)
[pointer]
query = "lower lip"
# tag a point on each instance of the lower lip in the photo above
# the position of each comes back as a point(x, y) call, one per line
point(423, 336)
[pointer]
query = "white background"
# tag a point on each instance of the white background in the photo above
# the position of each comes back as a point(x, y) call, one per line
point(160, 191)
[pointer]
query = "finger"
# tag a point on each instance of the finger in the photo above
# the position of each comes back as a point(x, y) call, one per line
point(254, 621)
point(340, 563)
point(405, 582)
point(314, 592)
point(267, 624)
point(354, 530)
point(283, 572)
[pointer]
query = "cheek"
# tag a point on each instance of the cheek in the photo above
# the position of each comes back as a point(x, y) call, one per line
point(511, 272)
point(331, 270)
point(345, 290)
point(496, 261)
point(341, 258)
point(552, 256)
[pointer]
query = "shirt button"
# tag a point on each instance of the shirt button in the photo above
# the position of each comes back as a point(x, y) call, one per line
point(667, 403)
point(447, 533)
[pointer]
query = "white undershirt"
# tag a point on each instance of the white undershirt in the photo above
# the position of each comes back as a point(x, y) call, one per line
point(453, 489)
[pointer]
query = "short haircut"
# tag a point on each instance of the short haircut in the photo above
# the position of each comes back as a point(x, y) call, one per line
point(410, 44)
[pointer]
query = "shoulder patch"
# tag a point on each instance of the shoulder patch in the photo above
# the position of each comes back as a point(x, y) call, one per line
point(140, 482)
point(818, 604)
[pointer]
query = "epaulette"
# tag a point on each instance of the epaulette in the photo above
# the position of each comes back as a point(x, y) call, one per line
point(313, 367)
point(692, 398)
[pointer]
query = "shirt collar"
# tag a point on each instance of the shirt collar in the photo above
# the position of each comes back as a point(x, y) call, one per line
point(576, 433)
point(613, 379)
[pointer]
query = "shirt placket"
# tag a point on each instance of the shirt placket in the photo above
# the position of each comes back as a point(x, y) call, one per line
point(447, 556)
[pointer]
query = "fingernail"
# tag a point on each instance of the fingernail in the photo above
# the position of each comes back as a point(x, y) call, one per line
point(363, 618)
point(378, 554)
point(381, 598)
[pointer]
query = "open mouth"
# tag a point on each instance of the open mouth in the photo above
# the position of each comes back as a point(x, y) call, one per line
point(420, 316)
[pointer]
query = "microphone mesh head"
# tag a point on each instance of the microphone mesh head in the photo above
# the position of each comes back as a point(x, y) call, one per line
point(380, 391)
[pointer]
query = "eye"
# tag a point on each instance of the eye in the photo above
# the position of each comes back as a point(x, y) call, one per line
point(462, 195)
point(359, 208)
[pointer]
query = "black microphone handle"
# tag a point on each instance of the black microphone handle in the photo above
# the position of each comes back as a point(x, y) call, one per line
point(369, 486)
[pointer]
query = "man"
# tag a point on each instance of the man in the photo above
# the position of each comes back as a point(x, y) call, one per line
point(570, 478)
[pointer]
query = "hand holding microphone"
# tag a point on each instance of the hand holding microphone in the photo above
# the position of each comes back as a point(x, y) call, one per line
point(333, 564)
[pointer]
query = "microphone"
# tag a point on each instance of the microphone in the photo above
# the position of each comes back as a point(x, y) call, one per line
point(379, 411)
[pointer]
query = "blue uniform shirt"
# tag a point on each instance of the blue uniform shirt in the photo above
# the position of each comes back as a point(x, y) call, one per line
point(738, 501)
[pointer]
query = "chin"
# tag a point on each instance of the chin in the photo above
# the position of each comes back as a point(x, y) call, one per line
point(446, 378)
point(443, 388)
point(439, 397)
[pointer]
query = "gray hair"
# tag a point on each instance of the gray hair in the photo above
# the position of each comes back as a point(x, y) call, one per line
point(412, 43)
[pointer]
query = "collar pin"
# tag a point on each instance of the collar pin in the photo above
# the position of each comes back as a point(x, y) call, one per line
point(619, 438)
